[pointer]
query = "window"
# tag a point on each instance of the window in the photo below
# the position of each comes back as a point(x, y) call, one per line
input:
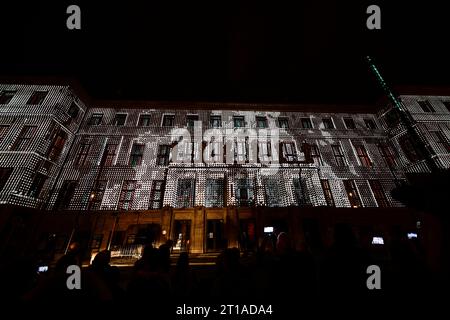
point(409, 148)
point(96, 119)
point(168, 120)
point(447, 105)
point(96, 242)
point(300, 192)
point(137, 153)
point(36, 185)
point(244, 193)
point(265, 150)
point(315, 155)
point(273, 191)
point(378, 193)
point(306, 123)
point(327, 192)
point(191, 120)
point(361, 152)
point(163, 155)
point(59, 138)
point(349, 123)
point(328, 123)
point(37, 97)
point(119, 119)
point(185, 193)
point(426, 106)
point(109, 154)
point(3, 131)
point(387, 155)
point(73, 110)
point(126, 195)
point(241, 150)
point(83, 152)
point(24, 139)
point(289, 151)
point(283, 122)
point(238, 121)
point(443, 145)
point(352, 193)
point(392, 118)
point(144, 120)
point(216, 121)
point(65, 194)
point(156, 195)
point(6, 96)
point(338, 155)
point(5, 173)
point(261, 122)
point(214, 195)
point(370, 124)
point(97, 193)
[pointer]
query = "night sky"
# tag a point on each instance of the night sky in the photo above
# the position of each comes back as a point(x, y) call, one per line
point(261, 51)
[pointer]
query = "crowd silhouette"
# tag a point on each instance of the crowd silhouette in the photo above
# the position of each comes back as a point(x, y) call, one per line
point(274, 270)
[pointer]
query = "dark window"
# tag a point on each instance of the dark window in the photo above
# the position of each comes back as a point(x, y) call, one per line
point(119, 119)
point(191, 120)
point(37, 97)
point(144, 120)
point(109, 154)
point(289, 151)
point(426, 106)
point(361, 152)
point(349, 123)
point(3, 131)
point(214, 194)
point(5, 173)
point(83, 152)
point(25, 137)
point(73, 110)
point(447, 105)
point(387, 155)
point(283, 123)
point(137, 153)
point(168, 120)
point(328, 123)
point(327, 192)
point(378, 193)
point(65, 194)
point(97, 193)
point(274, 192)
point(127, 195)
point(370, 124)
point(59, 138)
point(6, 96)
point(244, 193)
point(96, 242)
point(216, 121)
point(338, 155)
point(239, 121)
point(315, 155)
point(185, 193)
point(261, 122)
point(392, 118)
point(156, 195)
point(96, 119)
point(443, 145)
point(409, 148)
point(163, 155)
point(306, 123)
point(300, 192)
point(352, 193)
point(37, 185)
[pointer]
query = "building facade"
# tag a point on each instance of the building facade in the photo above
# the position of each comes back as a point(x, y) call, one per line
point(207, 176)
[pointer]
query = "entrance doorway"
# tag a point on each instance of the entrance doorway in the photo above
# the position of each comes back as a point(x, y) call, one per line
point(247, 237)
point(215, 235)
point(182, 235)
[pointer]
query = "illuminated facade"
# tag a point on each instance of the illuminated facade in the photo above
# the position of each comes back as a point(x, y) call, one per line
point(205, 175)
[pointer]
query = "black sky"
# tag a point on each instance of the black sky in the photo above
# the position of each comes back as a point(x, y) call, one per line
point(297, 51)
